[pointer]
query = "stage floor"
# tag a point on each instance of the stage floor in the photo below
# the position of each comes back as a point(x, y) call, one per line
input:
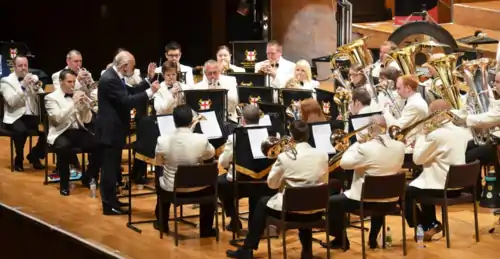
point(81, 215)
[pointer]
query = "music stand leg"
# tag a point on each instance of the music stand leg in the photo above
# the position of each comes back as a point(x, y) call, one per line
point(130, 224)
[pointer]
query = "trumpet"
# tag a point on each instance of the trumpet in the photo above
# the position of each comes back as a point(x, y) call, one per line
point(33, 83)
point(272, 146)
point(84, 101)
point(85, 78)
point(432, 122)
point(197, 118)
point(179, 96)
point(340, 141)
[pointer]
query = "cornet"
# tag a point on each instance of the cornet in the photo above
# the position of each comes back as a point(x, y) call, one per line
point(33, 83)
point(85, 78)
point(267, 66)
point(272, 146)
point(85, 101)
point(179, 96)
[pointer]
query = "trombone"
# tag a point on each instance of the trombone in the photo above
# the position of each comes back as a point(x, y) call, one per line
point(432, 122)
point(272, 146)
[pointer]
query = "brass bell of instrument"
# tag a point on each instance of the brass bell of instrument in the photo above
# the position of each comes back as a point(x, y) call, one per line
point(357, 51)
point(272, 146)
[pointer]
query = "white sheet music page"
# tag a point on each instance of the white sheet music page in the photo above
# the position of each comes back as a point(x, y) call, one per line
point(256, 136)
point(265, 121)
point(360, 122)
point(210, 127)
point(321, 135)
point(166, 125)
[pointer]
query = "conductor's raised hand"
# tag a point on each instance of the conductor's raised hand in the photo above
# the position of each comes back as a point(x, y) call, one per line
point(151, 70)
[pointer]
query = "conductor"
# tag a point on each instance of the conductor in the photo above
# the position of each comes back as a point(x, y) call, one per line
point(115, 100)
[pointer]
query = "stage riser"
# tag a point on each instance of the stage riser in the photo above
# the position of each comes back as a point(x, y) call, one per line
point(481, 15)
point(23, 238)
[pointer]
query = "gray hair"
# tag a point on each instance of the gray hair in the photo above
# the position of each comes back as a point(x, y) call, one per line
point(210, 62)
point(73, 52)
point(122, 58)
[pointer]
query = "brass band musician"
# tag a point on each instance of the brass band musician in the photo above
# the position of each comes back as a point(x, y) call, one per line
point(74, 62)
point(385, 48)
point(302, 77)
point(21, 111)
point(387, 79)
point(439, 145)
point(368, 158)
point(429, 96)
point(170, 93)
point(276, 67)
point(224, 58)
point(358, 79)
point(173, 53)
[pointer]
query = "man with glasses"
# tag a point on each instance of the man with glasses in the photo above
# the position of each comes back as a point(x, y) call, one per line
point(173, 53)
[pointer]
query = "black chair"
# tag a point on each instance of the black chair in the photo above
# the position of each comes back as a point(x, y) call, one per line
point(375, 191)
point(192, 177)
point(293, 201)
point(44, 121)
point(459, 177)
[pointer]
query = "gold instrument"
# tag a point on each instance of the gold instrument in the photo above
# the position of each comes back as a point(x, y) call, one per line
point(179, 96)
point(386, 89)
point(33, 84)
point(343, 98)
point(293, 110)
point(267, 66)
point(226, 67)
point(478, 98)
point(357, 51)
point(336, 74)
point(405, 58)
point(196, 119)
point(431, 122)
point(85, 101)
point(340, 141)
point(448, 89)
point(294, 83)
point(272, 146)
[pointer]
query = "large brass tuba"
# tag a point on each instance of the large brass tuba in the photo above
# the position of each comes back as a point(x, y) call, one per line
point(357, 52)
point(448, 89)
point(431, 122)
point(475, 73)
point(405, 58)
point(272, 146)
point(342, 98)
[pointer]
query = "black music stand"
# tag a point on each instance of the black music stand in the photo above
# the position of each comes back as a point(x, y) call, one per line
point(249, 79)
point(210, 99)
point(276, 113)
point(476, 40)
point(254, 95)
point(247, 53)
point(325, 100)
point(290, 96)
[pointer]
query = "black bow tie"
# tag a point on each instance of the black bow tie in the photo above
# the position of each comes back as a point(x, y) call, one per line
point(21, 79)
point(301, 83)
point(68, 95)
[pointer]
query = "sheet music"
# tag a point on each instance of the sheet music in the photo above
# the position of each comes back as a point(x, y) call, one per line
point(321, 136)
point(256, 136)
point(265, 121)
point(360, 122)
point(166, 125)
point(210, 127)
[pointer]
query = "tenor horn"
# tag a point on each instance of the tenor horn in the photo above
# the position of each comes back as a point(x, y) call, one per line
point(357, 52)
point(448, 89)
point(272, 146)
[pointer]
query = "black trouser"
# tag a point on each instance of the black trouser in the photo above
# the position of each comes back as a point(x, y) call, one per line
point(21, 128)
point(76, 138)
point(340, 205)
point(426, 216)
point(139, 170)
point(110, 172)
point(257, 225)
point(487, 155)
point(207, 210)
point(254, 191)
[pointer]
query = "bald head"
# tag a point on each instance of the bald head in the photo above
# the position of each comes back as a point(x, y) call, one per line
point(124, 61)
point(438, 105)
point(251, 114)
point(380, 122)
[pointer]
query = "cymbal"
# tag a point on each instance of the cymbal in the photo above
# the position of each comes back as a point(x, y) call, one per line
point(433, 44)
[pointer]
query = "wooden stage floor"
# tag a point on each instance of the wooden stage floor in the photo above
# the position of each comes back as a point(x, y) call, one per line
point(81, 215)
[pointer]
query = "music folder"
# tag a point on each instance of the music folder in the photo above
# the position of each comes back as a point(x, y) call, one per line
point(249, 79)
point(325, 100)
point(291, 96)
point(276, 114)
point(320, 136)
point(207, 99)
point(254, 95)
point(247, 53)
point(360, 120)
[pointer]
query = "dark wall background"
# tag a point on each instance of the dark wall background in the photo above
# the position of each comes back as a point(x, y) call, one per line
point(51, 28)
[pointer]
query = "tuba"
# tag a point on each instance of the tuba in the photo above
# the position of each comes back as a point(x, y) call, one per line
point(343, 98)
point(478, 98)
point(272, 146)
point(405, 57)
point(340, 141)
point(432, 122)
point(357, 52)
point(448, 89)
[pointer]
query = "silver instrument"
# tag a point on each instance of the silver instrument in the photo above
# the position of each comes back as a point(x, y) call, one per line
point(33, 84)
point(179, 96)
point(386, 89)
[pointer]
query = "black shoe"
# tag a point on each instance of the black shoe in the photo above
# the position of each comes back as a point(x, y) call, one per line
point(111, 211)
point(232, 226)
point(241, 253)
point(18, 168)
point(35, 162)
point(156, 225)
point(64, 192)
point(336, 244)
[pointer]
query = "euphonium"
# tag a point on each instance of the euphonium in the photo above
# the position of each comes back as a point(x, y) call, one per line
point(448, 89)
point(357, 52)
point(405, 57)
point(386, 89)
point(478, 98)
point(431, 122)
point(196, 119)
point(340, 141)
point(342, 98)
point(272, 146)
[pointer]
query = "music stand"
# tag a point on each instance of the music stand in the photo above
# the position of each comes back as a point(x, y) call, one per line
point(325, 100)
point(254, 95)
point(276, 113)
point(291, 96)
point(209, 99)
point(476, 40)
point(249, 79)
point(217, 143)
point(247, 53)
